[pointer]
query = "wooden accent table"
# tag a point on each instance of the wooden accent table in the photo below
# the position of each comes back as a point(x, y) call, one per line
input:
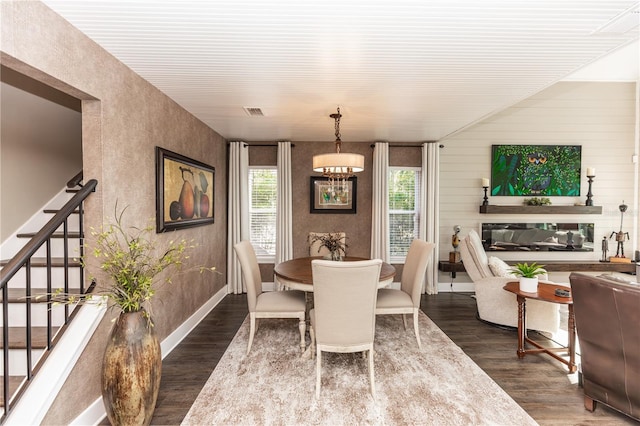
point(296, 273)
point(546, 293)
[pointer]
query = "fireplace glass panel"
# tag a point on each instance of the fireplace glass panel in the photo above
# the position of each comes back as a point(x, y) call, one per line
point(538, 236)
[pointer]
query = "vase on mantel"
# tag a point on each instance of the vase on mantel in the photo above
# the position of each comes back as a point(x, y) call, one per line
point(529, 285)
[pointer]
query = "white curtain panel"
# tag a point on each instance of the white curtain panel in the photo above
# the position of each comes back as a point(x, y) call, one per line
point(238, 214)
point(284, 215)
point(380, 203)
point(430, 207)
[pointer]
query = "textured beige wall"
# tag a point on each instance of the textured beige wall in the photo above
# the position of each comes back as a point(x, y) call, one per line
point(40, 143)
point(123, 119)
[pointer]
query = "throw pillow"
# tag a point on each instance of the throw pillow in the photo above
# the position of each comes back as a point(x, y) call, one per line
point(500, 268)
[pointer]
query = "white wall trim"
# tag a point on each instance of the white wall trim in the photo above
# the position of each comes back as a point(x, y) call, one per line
point(95, 413)
point(40, 394)
point(172, 340)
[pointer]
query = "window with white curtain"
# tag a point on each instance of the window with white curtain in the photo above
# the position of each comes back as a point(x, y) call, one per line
point(262, 211)
point(404, 210)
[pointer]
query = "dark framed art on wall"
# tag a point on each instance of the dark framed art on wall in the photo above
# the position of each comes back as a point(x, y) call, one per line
point(550, 170)
point(333, 196)
point(184, 191)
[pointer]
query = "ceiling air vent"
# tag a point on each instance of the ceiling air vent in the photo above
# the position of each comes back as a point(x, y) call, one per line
point(253, 111)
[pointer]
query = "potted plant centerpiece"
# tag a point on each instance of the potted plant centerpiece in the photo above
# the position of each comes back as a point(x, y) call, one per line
point(133, 263)
point(332, 241)
point(528, 275)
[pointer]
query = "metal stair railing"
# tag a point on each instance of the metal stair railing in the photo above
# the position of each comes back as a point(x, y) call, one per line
point(23, 260)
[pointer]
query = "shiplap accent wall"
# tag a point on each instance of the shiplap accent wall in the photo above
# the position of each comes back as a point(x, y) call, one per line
point(598, 116)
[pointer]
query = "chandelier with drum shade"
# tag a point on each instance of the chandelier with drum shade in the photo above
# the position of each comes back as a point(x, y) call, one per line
point(338, 166)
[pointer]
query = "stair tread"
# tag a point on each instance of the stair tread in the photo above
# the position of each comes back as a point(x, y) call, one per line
point(18, 295)
point(14, 383)
point(18, 337)
point(42, 261)
point(72, 234)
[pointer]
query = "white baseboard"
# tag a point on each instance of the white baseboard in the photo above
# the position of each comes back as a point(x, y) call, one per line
point(95, 413)
point(172, 340)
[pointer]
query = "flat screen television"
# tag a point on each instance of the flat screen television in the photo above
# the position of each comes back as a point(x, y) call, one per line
point(536, 170)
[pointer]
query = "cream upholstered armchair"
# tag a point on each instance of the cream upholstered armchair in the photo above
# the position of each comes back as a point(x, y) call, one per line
point(273, 304)
point(496, 305)
point(343, 318)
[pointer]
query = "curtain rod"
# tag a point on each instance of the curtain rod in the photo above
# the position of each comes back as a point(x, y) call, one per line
point(263, 144)
point(391, 145)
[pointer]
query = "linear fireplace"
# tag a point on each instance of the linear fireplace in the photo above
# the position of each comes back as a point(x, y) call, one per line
point(548, 237)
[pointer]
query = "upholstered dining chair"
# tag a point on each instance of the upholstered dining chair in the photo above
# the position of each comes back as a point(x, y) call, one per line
point(273, 304)
point(316, 248)
point(343, 318)
point(406, 300)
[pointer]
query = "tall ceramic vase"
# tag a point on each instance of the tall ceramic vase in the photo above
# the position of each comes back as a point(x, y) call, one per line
point(131, 370)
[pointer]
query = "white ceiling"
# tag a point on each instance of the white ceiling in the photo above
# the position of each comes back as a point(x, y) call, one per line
point(402, 70)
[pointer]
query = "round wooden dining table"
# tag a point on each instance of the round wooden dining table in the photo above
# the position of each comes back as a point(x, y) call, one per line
point(296, 273)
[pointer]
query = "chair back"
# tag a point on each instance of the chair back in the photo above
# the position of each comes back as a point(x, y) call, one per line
point(607, 318)
point(475, 259)
point(344, 295)
point(316, 248)
point(415, 267)
point(250, 272)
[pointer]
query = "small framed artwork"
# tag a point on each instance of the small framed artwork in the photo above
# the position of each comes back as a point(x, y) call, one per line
point(335, 196)
point(184, 191)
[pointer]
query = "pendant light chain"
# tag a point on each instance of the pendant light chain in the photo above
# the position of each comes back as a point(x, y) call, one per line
point(338, 167)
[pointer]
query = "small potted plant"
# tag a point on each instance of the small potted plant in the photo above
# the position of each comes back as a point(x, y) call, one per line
point(528, 275)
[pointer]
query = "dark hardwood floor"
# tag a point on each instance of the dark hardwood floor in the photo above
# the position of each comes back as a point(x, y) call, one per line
point(538, 383)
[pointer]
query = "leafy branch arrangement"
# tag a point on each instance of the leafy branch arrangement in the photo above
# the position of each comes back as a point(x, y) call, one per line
point(528, 271)
point(537, 201)
point(132, 260)
point(333, 241)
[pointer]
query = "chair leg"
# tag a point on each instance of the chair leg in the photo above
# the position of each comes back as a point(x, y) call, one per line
point(303, 328)
point(312, 348)
point(252, 331)
point(404, 321)
point(415, 328)
point(371, 375)
point(318, 370)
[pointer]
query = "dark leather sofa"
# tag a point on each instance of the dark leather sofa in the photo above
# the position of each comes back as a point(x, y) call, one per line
point(607, 314)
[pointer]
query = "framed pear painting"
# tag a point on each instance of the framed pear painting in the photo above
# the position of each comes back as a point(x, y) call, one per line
point(184, 191)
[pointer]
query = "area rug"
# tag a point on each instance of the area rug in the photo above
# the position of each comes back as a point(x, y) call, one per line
point(275, 385)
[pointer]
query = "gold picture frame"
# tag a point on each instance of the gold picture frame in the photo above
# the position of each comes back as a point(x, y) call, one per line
point(184, 191)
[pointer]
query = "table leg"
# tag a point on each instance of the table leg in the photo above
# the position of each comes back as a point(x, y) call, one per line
point(522, 325)
point(572, 340)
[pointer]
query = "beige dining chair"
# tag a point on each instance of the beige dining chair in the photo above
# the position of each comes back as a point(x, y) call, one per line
point(406, 300)
point(343, 318)
point(316, 248)
point(273, 304)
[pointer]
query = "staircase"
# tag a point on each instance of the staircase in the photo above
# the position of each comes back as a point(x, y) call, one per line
point(45, 261)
